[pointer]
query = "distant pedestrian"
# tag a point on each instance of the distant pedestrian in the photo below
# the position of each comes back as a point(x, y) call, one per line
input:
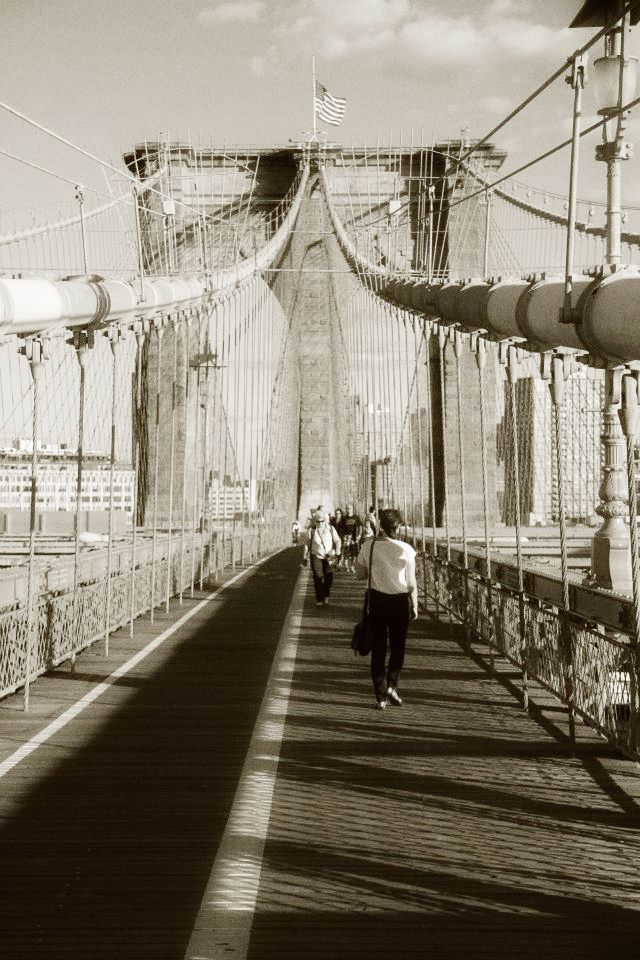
point(370, 524)
point(295, 533)
point(337, 521)
point(323, 547)
point(392, 604)
point(350, 534)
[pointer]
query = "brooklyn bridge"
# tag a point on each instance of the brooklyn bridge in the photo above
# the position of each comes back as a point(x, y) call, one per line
point(199, 357)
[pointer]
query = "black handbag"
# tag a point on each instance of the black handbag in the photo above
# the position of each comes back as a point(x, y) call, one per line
point(362, 639)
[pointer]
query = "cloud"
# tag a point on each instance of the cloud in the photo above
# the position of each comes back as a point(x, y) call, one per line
point(231, 10)
point(403, 28)
point(452, 40)
point(442, 39)
point(499, 105)
point(258, 65)
point(339, 27)
point(358, 15)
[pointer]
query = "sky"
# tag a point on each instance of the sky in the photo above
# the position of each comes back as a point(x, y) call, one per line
point(111, 74)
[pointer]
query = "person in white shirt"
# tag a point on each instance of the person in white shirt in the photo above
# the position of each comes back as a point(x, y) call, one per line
point(393, 602)
point(323, 546)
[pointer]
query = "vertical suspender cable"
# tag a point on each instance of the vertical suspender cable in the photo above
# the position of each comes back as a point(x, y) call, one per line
point(557, 387)
point(481, 358)
point(427, 329)
point(172, 465)
point(512, 375)
point(420, 442)
point(81, 345)
point(116, 343)
point(442, 339)
point(140, 334)
point(186, 330)
point(32, 633)
point(196, 444)
point(457, 349)
point(205, 449)
point(156, 468)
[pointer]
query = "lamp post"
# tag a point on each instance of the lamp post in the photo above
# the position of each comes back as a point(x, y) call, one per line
point(614, 81)
point(614, 75)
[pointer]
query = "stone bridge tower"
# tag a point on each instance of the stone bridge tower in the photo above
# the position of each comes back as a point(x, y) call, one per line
point(217, 181)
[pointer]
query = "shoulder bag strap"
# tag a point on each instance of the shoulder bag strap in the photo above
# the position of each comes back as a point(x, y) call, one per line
point(368, 593)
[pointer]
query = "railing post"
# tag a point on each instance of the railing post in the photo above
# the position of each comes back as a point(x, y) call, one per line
point(610, 555)
point(630, 420)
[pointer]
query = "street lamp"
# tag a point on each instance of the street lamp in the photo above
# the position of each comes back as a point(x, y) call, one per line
point(614, 79)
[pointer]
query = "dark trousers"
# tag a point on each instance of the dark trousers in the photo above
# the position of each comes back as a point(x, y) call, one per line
point(322, 577)
point(389, 614)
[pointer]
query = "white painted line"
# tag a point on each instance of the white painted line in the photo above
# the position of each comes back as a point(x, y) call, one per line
point(36, 741)
point(223, 925)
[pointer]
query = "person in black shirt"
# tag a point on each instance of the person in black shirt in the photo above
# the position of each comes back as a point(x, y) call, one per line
point(350, 531)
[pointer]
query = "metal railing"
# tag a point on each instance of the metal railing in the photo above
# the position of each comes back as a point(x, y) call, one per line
point(591, 669)
point(67, 625)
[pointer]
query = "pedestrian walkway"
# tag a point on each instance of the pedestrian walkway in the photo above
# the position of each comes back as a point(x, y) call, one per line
point(236, 795)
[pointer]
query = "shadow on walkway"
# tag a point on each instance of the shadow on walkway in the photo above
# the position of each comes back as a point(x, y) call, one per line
point(454, 826)
point(107, 856)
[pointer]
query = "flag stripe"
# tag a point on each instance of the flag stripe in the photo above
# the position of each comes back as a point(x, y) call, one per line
point(334, 101)
point(330, 111)
point(328, 108)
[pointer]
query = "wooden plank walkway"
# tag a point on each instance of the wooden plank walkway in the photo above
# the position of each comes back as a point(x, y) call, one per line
point(454, 826)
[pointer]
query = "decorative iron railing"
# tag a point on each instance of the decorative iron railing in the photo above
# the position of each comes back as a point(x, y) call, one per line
point(593, 670)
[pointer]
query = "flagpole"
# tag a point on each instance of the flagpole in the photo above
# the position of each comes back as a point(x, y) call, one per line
point(313, 102)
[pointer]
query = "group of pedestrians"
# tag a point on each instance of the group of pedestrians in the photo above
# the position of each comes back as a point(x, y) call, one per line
point(370, 549)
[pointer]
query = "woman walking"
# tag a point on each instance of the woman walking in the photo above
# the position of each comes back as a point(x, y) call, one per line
point(393, 603)
point(323, 546)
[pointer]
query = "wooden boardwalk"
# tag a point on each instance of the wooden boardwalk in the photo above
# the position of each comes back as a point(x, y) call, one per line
point(454, 826)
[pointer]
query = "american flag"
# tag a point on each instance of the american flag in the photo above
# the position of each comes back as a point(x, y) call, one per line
point(328, 108)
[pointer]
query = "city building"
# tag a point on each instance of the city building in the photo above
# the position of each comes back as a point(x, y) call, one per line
point(57, 478)
point(229, 498)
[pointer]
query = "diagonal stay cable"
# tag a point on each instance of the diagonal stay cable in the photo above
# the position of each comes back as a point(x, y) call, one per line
point(548, 153)
point(629, 7)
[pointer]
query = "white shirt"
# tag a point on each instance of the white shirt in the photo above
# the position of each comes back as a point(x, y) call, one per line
point(394, 565)
point(323, 539)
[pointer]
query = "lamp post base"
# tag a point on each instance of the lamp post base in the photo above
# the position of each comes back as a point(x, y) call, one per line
point(611, 556)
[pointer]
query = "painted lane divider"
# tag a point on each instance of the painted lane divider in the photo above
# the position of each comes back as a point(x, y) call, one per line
point(223, 925)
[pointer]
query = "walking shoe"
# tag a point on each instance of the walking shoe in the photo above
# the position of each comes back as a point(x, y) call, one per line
point(381, 705)
point(394, 697)
point(319, 603)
